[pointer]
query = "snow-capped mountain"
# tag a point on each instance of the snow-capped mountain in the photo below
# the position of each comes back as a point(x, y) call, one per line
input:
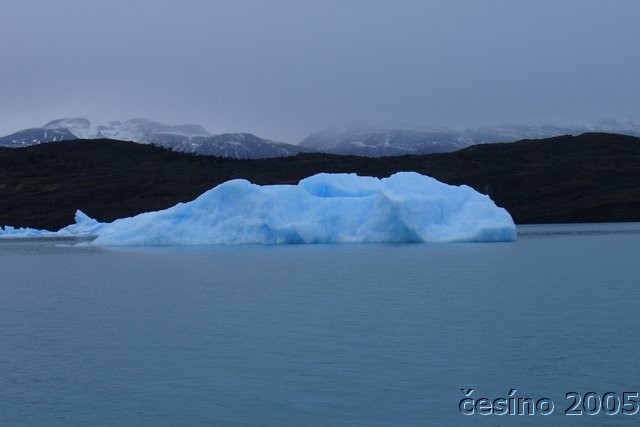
point(137, 130)
point(362, 141)
point(352, 140)
point(185, 138)
point(232, 145)
point(35, 136)
point(376, 142)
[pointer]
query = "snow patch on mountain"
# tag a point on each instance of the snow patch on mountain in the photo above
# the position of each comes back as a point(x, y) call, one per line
point(137, 130)
point(183, 138)
point(363, 140)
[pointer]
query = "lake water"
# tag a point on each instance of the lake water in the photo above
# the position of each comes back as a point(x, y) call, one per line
point(318, 335)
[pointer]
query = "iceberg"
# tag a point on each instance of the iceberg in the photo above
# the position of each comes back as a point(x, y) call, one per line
point(323, 208)
point(8, 232)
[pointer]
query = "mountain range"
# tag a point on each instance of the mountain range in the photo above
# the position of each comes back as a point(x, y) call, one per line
point(358, 140)
point(377, 142)
point(182, 138)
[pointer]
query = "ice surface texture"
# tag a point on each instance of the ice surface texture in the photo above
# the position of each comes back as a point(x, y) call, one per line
point(324, 208)
point(12, 232)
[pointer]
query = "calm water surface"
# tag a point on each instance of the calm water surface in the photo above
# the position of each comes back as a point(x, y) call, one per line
point(318, 335)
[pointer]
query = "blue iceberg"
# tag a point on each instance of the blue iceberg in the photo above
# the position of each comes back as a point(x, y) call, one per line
point(324, 208)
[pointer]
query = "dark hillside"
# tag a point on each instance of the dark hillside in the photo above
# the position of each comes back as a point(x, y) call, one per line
point(588, 178)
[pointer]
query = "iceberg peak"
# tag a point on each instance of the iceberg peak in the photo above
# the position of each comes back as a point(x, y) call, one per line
point(323, 208)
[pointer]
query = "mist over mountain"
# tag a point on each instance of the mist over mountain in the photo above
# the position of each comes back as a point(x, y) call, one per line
point(229, 145)
point(188, 138)
point(137, 130)
point(371, 141)
point(359, 140)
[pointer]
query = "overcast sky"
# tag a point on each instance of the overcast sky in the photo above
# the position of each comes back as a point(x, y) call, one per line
point(285, 68)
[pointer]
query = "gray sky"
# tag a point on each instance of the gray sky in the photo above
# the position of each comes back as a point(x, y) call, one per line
point(285, 68)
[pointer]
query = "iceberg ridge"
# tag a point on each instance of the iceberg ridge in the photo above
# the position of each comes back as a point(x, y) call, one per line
point(324, 208)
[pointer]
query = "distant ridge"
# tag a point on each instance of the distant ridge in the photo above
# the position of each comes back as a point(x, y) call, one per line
point(357, 140)
point(376, 142)
point(184, 138)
